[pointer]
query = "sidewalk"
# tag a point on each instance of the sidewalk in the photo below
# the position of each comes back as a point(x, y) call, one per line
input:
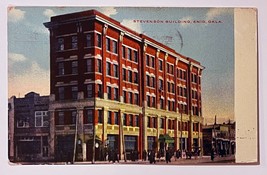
point(192, 161)
point(204, 160)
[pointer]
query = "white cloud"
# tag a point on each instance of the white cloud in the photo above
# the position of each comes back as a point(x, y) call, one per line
point(131, 25)
point(185, 21)
point(15, 15)
point(215, 12)
point(15, 57)
point(48, 13)
point(108, 11)
point(34, 79)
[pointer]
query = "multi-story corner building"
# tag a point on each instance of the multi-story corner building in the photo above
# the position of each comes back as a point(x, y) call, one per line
point(134, 92)
point(28, 128)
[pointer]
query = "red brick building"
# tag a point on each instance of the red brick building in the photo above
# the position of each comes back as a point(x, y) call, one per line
point(135, 91)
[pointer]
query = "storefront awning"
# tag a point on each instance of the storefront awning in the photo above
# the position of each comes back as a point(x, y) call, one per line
point(166, 138)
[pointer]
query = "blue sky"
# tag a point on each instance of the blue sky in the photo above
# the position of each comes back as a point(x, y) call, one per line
point(212, 44)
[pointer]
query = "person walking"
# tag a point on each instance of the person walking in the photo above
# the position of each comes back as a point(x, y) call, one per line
point(167, 156)
point(144, 155)
point(212, 154)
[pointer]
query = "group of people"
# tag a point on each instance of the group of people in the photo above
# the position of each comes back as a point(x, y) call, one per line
point(113, 155)
point(152, 155)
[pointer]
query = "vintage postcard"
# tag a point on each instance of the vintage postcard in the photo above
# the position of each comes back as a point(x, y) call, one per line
point(132, 85)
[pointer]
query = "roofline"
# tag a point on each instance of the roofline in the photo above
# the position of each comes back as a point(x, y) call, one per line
point(94, 14)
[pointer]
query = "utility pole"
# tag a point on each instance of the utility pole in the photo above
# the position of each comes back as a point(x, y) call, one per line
point(93, 158)
point(94, 135)
point(181, 136)
point(122, 135)
point(75, 137)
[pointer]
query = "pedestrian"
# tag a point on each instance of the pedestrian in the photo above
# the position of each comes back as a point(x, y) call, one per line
point(152, 157)
point(167, 156)
point(144, 155)
point(212, 154)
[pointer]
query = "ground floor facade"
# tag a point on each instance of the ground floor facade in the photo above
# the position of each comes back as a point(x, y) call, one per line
point(29, 147)
point(118, 128)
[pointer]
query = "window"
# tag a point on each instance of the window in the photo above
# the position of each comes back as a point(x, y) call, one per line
point(161, 123)
point(129, 54)
point(148, 100)
point(130, 120)
point(100, 116)
point(99, 40)
point(148, 122)
point(61, 93)
point(116, 94)
point(160, 84)
point(153, 122)
point(116, 118)
point(60, 44)
point(136, 120)
point(88, 40)
point(107, 44)
point(153, 62)
point(61, 118)
point(124, 119)
point(173, 106)
point(90, 116)
point(185, 92)
point(180, 74)
point(147, 80)
point(136, 77)
point(99, 65)
point(169, 87)
point(194, 94)
point(161, 104)
point(154, 102)
point(74, 42)
point(109, 117)
point(169, 105)
point(123, 52)
point(136, 99)
point(74, 67)
point(152, 81)
point(89, 90)
point(129, 76)
point(99, 90)
point(114, 46)
point(41, 119)
point(109, 92)
point(61, 69)
point(172, 87)
point(130, 97)
point(74, 92)
point(89, 65)
point(135, 56)
point(147, 60)
point(160, 65)
point(194, 78)
point(73, 117)
point(124, 74)
point(115, 70)
point(108, 68)
point(171, 69)
point(124, 97)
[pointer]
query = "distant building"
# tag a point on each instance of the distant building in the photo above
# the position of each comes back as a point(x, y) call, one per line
point(136, 93)
point(28, 128)
point(221, 137)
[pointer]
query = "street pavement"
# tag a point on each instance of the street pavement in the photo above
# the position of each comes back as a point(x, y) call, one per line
point(203, 160)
